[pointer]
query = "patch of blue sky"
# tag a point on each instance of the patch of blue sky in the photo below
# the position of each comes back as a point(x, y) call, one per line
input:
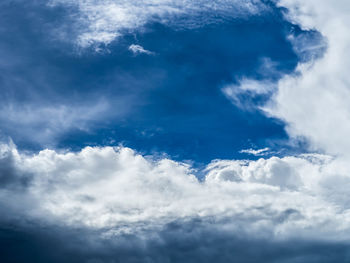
point(163, 95)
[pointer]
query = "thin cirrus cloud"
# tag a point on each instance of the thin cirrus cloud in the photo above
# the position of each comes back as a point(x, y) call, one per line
point(101, 22)
point(259, 152)
point(24, 121)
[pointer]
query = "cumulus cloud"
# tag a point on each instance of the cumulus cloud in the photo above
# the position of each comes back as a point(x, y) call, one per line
point(101, 22)
point(119, 192)
point(314, 102)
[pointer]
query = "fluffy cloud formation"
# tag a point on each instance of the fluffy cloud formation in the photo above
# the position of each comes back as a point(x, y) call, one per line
point(101, 22)
point(118, 192)
point(315, 101)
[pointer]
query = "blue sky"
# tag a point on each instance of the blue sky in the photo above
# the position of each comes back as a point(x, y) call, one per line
point(169, 101)
point(174, 131)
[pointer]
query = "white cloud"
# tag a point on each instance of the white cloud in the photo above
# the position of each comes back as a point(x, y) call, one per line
point(102, 21)
point(137, 49)
point(42, 124)
point(315, 102)
point(117, 190)
point(243, 93)
point(259, 152)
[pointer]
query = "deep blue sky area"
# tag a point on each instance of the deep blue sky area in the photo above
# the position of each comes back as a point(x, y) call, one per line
point(168, 102)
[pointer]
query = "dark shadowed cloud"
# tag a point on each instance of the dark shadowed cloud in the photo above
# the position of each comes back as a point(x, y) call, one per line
point(177, 242)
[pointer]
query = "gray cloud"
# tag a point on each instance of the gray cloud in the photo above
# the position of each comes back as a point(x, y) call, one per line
point(178, 241)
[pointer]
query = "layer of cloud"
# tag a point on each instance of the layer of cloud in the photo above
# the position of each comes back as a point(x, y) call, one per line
point(180, 241)
point(118, 192)
point(101, 22)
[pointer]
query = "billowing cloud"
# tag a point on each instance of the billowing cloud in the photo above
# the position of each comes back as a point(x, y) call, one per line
point(118, 191)
point(101, 22)
point(315, 101)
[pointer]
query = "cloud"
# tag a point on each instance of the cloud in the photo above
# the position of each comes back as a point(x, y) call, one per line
point(119, 192)
point(114, 205)
point(101, 22)
point(259, 152)
point(314, 102)
point(180, 241)
point(248, 93)
point(137, 49)
point(44, 123)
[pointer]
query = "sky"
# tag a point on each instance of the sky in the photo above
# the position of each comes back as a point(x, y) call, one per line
point(174, 131)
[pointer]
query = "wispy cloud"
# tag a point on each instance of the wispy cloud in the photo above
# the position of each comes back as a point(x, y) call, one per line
point(249, 94)
point(137, 49)
point(101, 22)
point(44, 123)
point(259, 152)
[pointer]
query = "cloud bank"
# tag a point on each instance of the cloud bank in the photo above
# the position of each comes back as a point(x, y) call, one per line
point(118, 191)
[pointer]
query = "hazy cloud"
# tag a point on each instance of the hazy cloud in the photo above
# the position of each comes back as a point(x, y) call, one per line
point(101, 22)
